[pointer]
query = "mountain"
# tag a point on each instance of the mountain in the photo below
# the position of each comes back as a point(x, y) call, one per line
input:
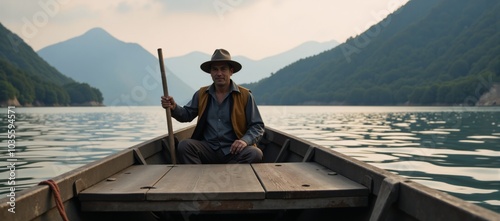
point(126, 73)
point(427, 52)
point(187, 67)
point(27, 79)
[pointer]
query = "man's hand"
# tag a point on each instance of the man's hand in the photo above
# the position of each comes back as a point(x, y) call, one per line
point(238, 146)
point(168, 102)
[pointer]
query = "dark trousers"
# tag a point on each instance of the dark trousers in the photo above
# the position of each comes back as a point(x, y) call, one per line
point(192, 151)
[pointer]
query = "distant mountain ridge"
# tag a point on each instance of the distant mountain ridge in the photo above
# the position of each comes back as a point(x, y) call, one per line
point(187, 67)
point(126, 73)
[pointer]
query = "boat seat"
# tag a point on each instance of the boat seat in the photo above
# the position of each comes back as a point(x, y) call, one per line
point(216, 187)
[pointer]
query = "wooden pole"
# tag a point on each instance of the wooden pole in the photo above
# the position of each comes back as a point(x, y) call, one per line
point(171, 143)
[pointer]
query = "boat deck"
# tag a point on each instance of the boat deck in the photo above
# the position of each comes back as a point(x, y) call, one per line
point(215, 187)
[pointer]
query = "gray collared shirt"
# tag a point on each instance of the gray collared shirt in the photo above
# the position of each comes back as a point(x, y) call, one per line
point(219, 131)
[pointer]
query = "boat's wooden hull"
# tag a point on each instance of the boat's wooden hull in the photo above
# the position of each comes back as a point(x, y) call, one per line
point(391, 197)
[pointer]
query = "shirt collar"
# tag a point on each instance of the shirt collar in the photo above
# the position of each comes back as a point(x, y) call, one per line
point(234, 88)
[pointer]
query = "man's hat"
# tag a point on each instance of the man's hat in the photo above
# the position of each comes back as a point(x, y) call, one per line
point(220, 55)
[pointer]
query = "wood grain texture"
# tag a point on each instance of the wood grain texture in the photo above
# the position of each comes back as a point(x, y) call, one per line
point(129, 184)
point(304, 180)
point(208, 182)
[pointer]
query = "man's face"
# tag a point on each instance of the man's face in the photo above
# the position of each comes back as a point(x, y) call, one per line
point(221, 73)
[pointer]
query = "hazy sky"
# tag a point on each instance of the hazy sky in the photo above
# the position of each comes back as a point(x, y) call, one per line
point(252, 28)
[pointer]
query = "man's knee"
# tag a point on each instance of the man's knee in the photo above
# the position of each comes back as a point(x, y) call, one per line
point(188, 152)
point(254, 155)
point(181, 147)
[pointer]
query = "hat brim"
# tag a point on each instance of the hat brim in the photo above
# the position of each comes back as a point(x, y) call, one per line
point(205, 66)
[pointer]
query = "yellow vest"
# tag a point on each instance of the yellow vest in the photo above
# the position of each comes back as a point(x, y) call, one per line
point(238, 117)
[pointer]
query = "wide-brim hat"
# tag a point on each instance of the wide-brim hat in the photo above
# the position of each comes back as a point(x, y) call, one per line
point(220, 55)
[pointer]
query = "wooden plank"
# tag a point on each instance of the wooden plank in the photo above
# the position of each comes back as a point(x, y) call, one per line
point(305, 180)
point(225, 205)
point(208, 182)
point(129, 184)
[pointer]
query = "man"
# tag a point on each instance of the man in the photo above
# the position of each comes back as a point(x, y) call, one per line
point(229, 123)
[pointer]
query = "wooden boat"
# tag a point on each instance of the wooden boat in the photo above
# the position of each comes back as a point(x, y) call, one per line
point(298, 180)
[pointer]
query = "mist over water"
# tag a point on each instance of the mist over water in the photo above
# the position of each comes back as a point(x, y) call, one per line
point(453, 149)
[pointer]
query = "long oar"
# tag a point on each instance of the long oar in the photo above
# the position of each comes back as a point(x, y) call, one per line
point(171, 143)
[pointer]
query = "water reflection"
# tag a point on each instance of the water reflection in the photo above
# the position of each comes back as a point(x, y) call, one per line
point(450, 149)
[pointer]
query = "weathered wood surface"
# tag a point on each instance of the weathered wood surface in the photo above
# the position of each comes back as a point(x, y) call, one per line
point(305, 180)
point(208, 182)
point(224, 187)
point(130, 184)
point(225, 205)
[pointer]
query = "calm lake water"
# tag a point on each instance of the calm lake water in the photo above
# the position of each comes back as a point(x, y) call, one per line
point(453, 149)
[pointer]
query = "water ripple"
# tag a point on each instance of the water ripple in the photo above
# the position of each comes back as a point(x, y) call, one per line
point(453, 150)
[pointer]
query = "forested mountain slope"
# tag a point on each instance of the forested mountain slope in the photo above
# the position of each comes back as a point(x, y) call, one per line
point(26, 79)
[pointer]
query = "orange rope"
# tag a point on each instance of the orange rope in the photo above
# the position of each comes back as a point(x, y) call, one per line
point(57, 197)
